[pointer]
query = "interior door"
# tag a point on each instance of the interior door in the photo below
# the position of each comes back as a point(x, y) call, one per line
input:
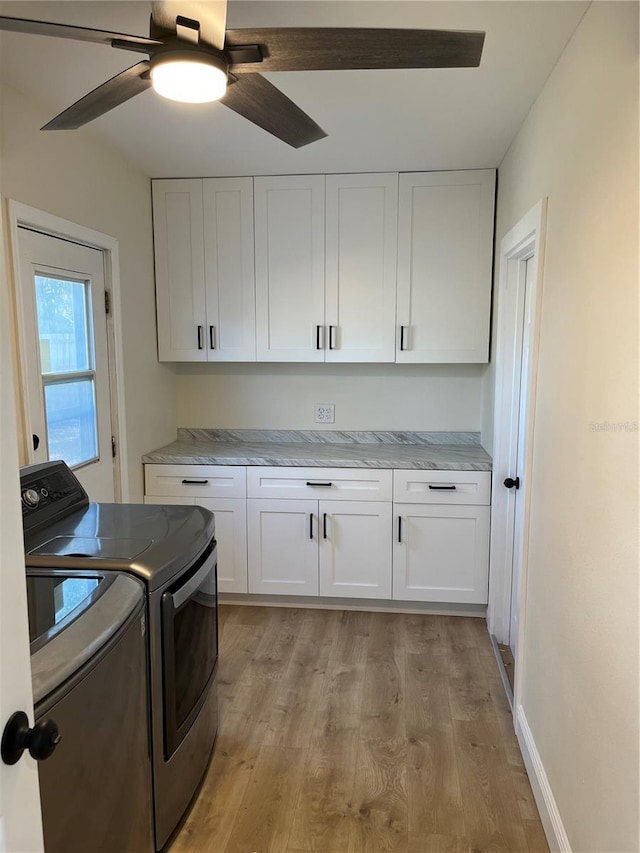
point(65, 357)
point(20, 822)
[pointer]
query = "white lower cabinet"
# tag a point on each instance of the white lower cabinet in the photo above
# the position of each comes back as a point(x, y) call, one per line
point(231, 536)
point(441, 553)
point(355, 549)
point(308, 547)
point(282, 546)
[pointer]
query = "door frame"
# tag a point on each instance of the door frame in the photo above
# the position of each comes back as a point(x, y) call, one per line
point(524, 240)
point(22, 215)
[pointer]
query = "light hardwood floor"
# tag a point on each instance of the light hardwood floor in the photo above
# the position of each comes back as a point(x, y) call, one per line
point(349, 732)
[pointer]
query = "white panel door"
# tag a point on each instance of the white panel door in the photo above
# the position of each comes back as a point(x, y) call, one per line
point(445, 252)
point(361, 252)
point(229, 269)
point(355, 549)
point(179, 254)
point(283, 546)
point(289, 247)
point(231, 536)
point(441, 553)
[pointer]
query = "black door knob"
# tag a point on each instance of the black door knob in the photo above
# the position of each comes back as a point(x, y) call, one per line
point(41, 740)
point(510, 483)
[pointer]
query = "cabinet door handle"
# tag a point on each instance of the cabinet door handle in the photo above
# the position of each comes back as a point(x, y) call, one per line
point(400, 529)
point(212, 337)
point(402, 330)
point(310, 525)
point(318, 484)
point(195, 482)
point(332, 343)
point(200, 337)
point(319, 337)
point(442, 488)
point(324, 525)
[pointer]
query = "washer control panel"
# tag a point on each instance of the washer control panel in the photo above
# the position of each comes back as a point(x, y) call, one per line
point(49, 491)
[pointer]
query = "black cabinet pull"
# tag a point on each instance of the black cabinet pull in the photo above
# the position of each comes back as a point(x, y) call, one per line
point(200, 340)
point(402, 328)
point(400, 529)
point(331, 339)
point(319, 484)
point(318, 344)
point(324, 525)
point(212, 337)
point(310, 525)
point(194, 482)
point(442, 488)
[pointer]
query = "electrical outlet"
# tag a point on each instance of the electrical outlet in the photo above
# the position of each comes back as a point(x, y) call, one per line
point(324, 413)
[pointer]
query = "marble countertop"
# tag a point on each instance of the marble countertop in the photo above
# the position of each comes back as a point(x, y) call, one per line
point(327, 449)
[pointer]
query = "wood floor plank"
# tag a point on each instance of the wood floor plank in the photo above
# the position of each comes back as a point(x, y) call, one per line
point(380, 798)
point(263, 821)
point(356, 732)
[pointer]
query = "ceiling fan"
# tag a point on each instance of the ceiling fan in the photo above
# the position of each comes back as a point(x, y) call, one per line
point(192, 58)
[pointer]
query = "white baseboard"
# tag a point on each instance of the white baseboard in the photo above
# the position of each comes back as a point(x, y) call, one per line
point(366, 604)
point(557, 837)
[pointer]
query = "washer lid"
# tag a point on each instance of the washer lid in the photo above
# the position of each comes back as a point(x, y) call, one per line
point(92, 547)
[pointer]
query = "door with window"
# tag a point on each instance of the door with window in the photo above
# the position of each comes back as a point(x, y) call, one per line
point(65, 355)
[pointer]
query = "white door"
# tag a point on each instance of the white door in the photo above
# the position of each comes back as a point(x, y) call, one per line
point(178, 232)
point(20, 820)
point(283, 546)
point(355, 549)
point(289, 246)
point(441, 553)
point(445, 253)
point(229, 269)
point(362, 240)
point(65, 356)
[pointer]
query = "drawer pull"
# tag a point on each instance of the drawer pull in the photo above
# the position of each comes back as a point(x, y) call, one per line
point(324, 525)
point(195, 482)
point(400, 529)
point(319, 484)
point(442, 488)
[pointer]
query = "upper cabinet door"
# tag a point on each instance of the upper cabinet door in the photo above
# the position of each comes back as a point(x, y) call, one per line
point(229, 269)
point(179, 255)
point(289, 245)
point(361, 251)
point(445, 252)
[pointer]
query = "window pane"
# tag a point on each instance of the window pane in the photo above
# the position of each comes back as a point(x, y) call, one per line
point(70, 410)
point(62, 325)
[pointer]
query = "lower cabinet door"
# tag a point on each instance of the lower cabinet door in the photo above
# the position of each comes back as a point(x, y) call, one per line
point(231, 536)
point(441, 553)
point(283, 546)
point(355, 548)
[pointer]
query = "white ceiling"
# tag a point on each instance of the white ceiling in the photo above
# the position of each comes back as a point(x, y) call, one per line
point(376, 120)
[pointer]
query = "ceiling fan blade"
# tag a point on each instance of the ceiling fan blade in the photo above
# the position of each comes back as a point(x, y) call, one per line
point(67, 31)
point(335, 49)
point(111, 94)
point(253, 97)
point(210, 14)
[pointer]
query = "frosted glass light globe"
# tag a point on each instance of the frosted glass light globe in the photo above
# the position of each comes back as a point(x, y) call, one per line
point(190, 81)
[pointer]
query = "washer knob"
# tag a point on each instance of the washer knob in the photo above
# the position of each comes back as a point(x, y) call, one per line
point(31, 497)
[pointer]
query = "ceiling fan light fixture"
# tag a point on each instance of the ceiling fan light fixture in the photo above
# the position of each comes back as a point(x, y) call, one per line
point(193, 80)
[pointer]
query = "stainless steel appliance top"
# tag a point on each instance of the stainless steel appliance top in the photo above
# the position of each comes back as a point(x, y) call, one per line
point(63, 530)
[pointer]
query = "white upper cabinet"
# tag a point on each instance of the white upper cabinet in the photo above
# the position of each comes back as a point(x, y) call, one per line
point(229, 269)
point(203, 237)
point(289, 246)
point(179, 252)
point(445, 250)
point(361, 252)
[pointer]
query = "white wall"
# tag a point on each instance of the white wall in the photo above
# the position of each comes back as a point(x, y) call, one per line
point(73, 176)
point(366, 397)
point(579, 147)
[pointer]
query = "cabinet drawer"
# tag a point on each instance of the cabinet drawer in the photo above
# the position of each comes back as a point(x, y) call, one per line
point(442, 487)
point(196, 481)
point(336, 484)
